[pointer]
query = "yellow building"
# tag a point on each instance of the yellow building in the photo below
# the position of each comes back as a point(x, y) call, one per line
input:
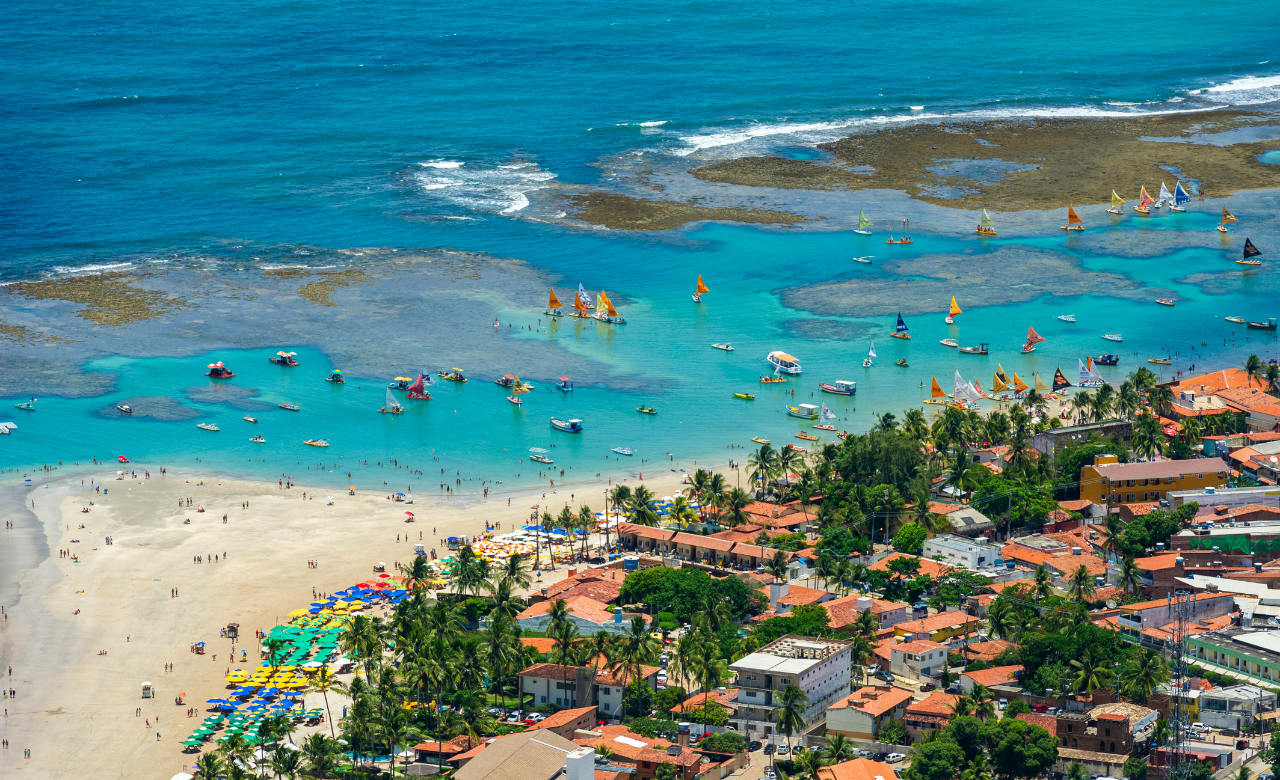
point(1109, 483)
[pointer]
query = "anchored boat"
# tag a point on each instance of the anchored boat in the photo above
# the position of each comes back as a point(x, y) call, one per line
point(1237, 320)
point(335, 376)
point(1108, 359)
point(727, 347)
point(949, 342)
point(568, 426)
point(605, 312)
point(292, 407)
point(935, 392)
point(540, 455)
point(1067, 317)
point(901, 363)
point(1270, 324)
point(803, 411)
point(900, 330)
point(1166, 301)
point(391, 405)
point(454, 375)
point(208, 426)
point(623, 450)
point(418, 390)
point(806, 437)
point(554, 307)
point(1166, 197)
point(1145, 202)
point(1089, 376)
point(1160, 361)
point(284, 359)
point(906, 240)
point(646, 410)
point(864, 259)
point(316, 442)
point(745, 396)
point(124, 408)
point(783, 362)
point(841, 387)
point(399, 383)
point(1250, 252)
point(866, 361)
point(864, 224)
point(518, 388)
point(1180, 197)
point(1113, 337)
point(955, 312)
point(30, 406)
point(218, 371)
point(981, 349)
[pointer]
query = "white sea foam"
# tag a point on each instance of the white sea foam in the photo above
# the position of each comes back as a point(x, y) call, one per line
point(659, 123)
point(1249, 90)
point(499, 189)
point(89, 269)
point(442, 164)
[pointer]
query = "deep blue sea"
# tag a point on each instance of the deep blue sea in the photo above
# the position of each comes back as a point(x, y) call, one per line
point(134, 130)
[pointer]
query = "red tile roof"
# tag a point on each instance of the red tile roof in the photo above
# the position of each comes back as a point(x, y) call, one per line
point(1069, 564)
point(726, 699)
point(857, 769)
point(563, 718)
point(606, 677)
point(1077, 505)
point(543, 644)
point(1016, 552)
point(1156, 562)
point(1047, 722)
point(1247, 397)
point(603, 591)
point(799, 595)
point(918, 646)
point(938, 703)
point(579, 607)
point(844, 611)
point(645, 532)
point(998, 675)
point(987, 651)
point(655, 750)
point(459, 744)
point(935, 623)
point(932, 568)
point(1218, 380)
point(874, 699)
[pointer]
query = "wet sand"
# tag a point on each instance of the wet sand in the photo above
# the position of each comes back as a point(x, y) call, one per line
point(75, 709)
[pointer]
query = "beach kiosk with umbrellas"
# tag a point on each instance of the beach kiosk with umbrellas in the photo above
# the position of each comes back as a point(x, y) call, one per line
point(148, 691)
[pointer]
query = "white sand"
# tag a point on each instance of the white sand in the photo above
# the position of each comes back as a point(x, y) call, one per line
point(76, 709)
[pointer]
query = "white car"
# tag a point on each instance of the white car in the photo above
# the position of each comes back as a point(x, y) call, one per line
point(1201, 728)
point(894, 758)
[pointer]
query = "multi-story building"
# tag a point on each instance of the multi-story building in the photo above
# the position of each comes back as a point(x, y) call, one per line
point(819, 667)
point(1135, 619)
point(1109, 483)
point(1237, 707)
point(975, 554)
point(861, 714)
point(922, 659)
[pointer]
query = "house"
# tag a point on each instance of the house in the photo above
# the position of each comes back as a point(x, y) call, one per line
point(957, 551)
point(609, 688)
point(601, 585)
point(967, 521)
point(985, 651)
point(566, 722)
point(1068, 565)
point(933, 713)
point(446, 751)
point(857, 769)
point(920, 660)
point(783, 596)
point(748, 533)
point(1054, 439)
point(643, 754)
point(861, 714)
point(940, 627)
point(531, 755)
point(643, 538)
point(926, 566)
point(1107, 733)
point(1134, 618)
point(1109, 483)
point(1227, 497)
point(844, 612)
point(725, 697)
point(589, 615)
point(996, 675)
point(1084, 506)
point(819, 667)
point(578, 686)
point(1235, 707)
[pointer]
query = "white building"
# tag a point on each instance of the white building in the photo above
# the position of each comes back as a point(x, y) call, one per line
point(819, 667)
point(921, 659)
point(1236, 707)
point(958, 551)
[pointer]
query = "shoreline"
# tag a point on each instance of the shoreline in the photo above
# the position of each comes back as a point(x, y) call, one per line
point(75, 708)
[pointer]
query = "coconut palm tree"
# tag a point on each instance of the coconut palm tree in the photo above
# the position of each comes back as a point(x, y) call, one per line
point(809, 762)
point(736, 503)
point(500, 651)
point(1076, 771)
point(320, 754)
point(793, 703)
point(777, 565)
point(984, 707)
point(1253, 367)
point(1148, 437)
point(1044, 583)
point(1000, 618)
point(1272, 374)
point(1091, 673)
point(1127, 400)
point(1161, 398)
point(681, 512)
point(209, 767)
point(839, 748)
point(641, 512)
point(285, 763)
point(417, 574)
point(1080, 587)
point(711, 672)
point(1130, 579)
point(698, 487)
point(1140, 677)
point(323, 681)
point(761, 466)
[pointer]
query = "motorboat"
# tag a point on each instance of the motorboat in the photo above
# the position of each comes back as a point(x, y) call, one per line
point(568, 426)
point(506, 380)
point(981, 349)
point(949, 343)
point(841, 387)
point(1113, 337)
point(902, 362)
point(623, 450)
point(797, 448)
point(218, 371)
point(259, 439)
point(540, 458)
point(825, 427)
point(759, 440)
point(1237, 320)
point(336, 377)
point(125, 408)
point(208, 426)
point(1270, 324)
point(30, 406)
point(566, 385)
point(803, 411)
point(292, 407)
point(454, 375)
point(745, 396)
point(249, 419)
point(400, 383)
point(806, 437)
point(1166, 301)
point(864, 259)
point(781, 361)
point(1107, 360)
point(646, 410)
point(284, 359)
point(727, 347)
point(316, 442)
point(1160, 361)
point(1067, 317)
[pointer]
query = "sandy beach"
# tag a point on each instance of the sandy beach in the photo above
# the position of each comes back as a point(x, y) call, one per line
point(78, 711)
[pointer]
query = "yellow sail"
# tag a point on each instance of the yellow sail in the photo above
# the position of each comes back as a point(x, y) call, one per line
point(1116, 200)
point(1041, 387)
point(602, 301)
point(954, 308)
point(518, 387)
point(1001, 375)
point(1227, 216)
point(998, 385)
point(554, 303)
point(702, 288)
point(936, 391)
point(1018, 384)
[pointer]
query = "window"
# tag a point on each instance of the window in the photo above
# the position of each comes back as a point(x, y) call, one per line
point(544, 699)
point(751, 677)
point(604, 691)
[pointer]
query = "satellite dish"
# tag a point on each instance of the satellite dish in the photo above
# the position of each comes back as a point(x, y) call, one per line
point(1111, 603)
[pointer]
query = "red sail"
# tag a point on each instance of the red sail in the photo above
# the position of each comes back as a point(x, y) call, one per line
point(417, 386)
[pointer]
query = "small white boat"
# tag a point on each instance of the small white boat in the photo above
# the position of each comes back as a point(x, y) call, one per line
point(208, 426)
point(1067, 317)
point(259, 439)
point(864, 224)
point(727, 347)
point(28, 405)
point(623, 450)
point(125, 408)
point(1113, 337)
point(866, 362)
point(541, 458)
point(864, 259)
point(949, 343)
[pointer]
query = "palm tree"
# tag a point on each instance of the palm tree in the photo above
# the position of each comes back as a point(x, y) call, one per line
point(417, 574)
point(1141, 676)
point(323, 681)
point(286, 763)
point(698, 487)
point(503, 602)
point(1127, 399)
point(500, 642)
point(1130, 579)
point(1272, 375)
point(1148, 437)
point(983, 702)
point(794, 703)
point(1253, 367)
point(1080, 586)
point(1043, 587)
point(961, 477)
point(761, 466)
point(564, 652)
point(641, 512)
point(711, 672)
point(1115, 536)
point(320, 753)
point(209, 767)
point(809, 763)
point(1000, 618)
point(515, 572)
point(1161, 398)
point(838, 746)
point(681, 512)
point(634, 648)
point(777, 565)
point(1076, 772)
point(1092, 673)
point(737, 502)
point(962, 706)
point(717, 489)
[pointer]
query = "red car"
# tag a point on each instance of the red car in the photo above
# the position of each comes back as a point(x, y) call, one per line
point(1040, 708)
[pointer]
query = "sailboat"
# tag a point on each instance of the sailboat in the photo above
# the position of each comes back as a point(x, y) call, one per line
point(554, 306)
point(518, 388)
point(1073, 222)
point(1180, 196)
point(1116, 203)
point(935, 392)
point(701, 288)
point(1059, 381)
point(1165, 196)
point(900, 332)
point(1089, 376)
point(1018, 385)
point(1033, 339)
point(1145, 201)
point(824, 418)
point(582, 304)
point(1039, 384)
point(605, 312)
point(999, 382)
point(1250, 252)
point(418, 390)
point(954, 311)
point(391, 405)
point(986, 226)
point(864, 224)
point(866, 361)
point(1227, 217)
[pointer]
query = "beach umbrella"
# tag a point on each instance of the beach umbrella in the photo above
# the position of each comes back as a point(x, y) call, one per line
point(410, 514)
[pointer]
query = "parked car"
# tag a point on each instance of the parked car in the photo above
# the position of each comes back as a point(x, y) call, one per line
point(1242, 744)
point(894, 758)
point(783, 749)
point(878, 756)
point(754, 745)
point(928, 687)
point(770, 749)
point(1004, 703)
point(538, 716)
point(1039, 707)
point(1200, 728)
point(873, 668)
point(1229, 732)
point(886, 676)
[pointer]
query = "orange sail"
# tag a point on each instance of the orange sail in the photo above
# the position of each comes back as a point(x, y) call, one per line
point(554, 303)
point(1033, 339)
point(1072, 219)
point(609, 305)
point(1227, 216)
point(1145, 199)
point(702, 288)
point(955, 309)
point(936, 391)
point(1018, 384)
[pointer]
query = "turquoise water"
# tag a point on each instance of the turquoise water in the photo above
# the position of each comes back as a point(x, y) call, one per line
point(137, 132)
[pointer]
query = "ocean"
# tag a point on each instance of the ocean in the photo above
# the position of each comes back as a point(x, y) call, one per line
point(227, 139)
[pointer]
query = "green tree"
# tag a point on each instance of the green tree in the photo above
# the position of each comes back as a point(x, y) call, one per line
point(937, 760)
point(1081, 587)
point(1140, 676)
point(1135, 768)
point(793, 703)
point(1017, 749)
point(910, 539)
point(894, 733)
point(665, 771)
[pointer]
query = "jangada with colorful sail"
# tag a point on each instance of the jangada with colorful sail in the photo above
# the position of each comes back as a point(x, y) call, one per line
point(866, 361)
point(1033, 339)
point(1166, 197)
point(1073, 222)
point(1116, 203)
point(986, 227)
point(1059, 380)
point(1089, 376)
point(1227, 218)
point(1180, 197)
point(864, 224)
point(900, 331)
point(935, 393)
point(955, 310)
point(1250, 252)
point(1145, 202)
point(699, 290)
point(554, 306)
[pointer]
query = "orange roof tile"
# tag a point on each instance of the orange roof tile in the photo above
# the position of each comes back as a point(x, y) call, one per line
point(543, 644)
point(937, 703)
point(935, 623)
point(562, 718)
point(874, 699)
point(997, 675)
point(1069, 564)
point(579, 607)
point(1077, 505)
point(932, 568)
point(799, 595)
point(918, 646)
point(1156, 562)
point(844, 611)
point(1216, 381)
point(857, 769)
point(726, 699)
point(1016, 552)
point(1046, 722)
point(987, 651)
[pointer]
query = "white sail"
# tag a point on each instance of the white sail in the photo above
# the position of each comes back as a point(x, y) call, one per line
point(582, 296)
point(1084, 372)
point(962, 390)
point(391, 400)
point(872, 351)
point(973, 393)
point(1165, 195)
point(427, 381)
point(827, 414)
point(1093, 372)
